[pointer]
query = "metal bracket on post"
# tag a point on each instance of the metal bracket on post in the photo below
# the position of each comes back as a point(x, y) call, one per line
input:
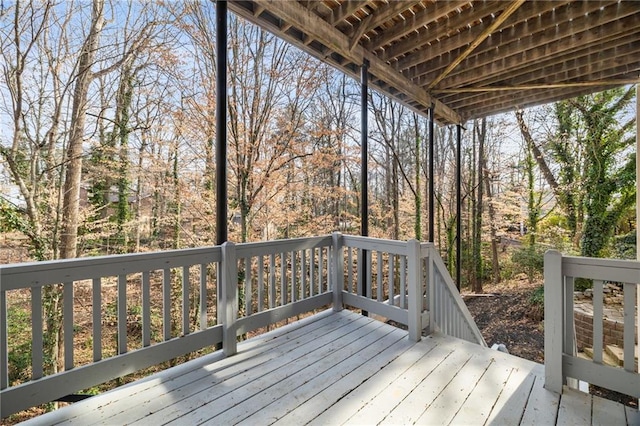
point(337, 271)
point(415, 290)
point(228, 302)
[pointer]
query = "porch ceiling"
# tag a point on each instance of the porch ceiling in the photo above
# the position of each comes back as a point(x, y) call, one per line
point(469, 58)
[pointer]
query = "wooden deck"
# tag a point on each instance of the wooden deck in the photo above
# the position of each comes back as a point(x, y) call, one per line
point(343, 368)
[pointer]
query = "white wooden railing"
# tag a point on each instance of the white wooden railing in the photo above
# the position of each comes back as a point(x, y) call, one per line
point(210, 296)
point(277, 280)
point(561, 362)
point(168, 273)
point(447, 310)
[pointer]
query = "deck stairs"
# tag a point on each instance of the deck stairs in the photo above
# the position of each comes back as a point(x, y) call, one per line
point(613, 355)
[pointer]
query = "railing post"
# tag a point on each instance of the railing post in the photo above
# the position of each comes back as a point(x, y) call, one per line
point(228, 303)
point(415, 290)
point(337, 271)
point(4, 350)
point(553, 321)
point(431, 290)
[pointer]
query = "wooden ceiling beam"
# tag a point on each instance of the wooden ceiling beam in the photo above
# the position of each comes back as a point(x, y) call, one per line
point(379, 17)
point(257, 11)
point(564, 48)
point(529, 20)
point(534, 47)
point(486, 33)
point(359, 31)
point(420, 19)
point(612, 77)
point(513, 36)
point(347, 8)
point(433, 33)
point(527, 102)
point(543, 86)
point(390, 11)
point(311, 5)
point(571, 66)
point(318, 29)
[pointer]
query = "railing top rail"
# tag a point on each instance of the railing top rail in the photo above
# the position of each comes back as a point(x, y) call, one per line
point(425, 249)
point(606, 263)
point(601, 269)
point(450, 286)
point(37, 274)
point(280, 246)
point(375, 244)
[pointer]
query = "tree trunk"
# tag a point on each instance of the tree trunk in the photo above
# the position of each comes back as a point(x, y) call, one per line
point(71, 201)
point(477, 238)
point(495, 262)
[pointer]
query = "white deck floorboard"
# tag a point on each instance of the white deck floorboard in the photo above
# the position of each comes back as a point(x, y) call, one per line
point(342, 368)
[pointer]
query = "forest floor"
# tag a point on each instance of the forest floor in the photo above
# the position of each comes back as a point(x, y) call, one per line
point(506, 314)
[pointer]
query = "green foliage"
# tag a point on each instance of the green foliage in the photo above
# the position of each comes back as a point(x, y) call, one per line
point(554, 230)
point(581, 284)
point(13, 219)
point(624, 246)
point(10, 218)
point(19, 324)
point(537, 297)
point(595, 172)
point(529, 260)
point(609, 188)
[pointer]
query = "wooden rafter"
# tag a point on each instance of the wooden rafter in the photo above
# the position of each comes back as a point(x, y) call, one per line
point(511, 42)
point(593, 62)
point(433, 13)
point(529, 20)
point(474, 101)
point(454, 54)
point(535, 98)
point(338, 42)
point(539, 86)
point(478, 100)
point(484, 66)
point(346, 9)
point(381, 16)
point(388, 12)
point(491, 28)
point(359, 31)
point(438, 31)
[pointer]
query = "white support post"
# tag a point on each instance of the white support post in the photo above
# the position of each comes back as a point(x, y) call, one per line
point(228, 303)
point(415, 290)
point(431, 290)
point(337, 276)
point(553, 321)
point(637, 205)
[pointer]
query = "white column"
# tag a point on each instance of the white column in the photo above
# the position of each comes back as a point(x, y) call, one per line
point(228, 302)
point(414, 287)
point(638, 200)
point(337, 271)
point(553, 321)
